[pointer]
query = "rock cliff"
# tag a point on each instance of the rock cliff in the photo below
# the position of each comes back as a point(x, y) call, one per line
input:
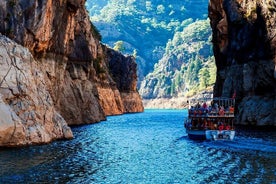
point(124, 72)
point(27, 112)
point(77, 74)
point(244, 38)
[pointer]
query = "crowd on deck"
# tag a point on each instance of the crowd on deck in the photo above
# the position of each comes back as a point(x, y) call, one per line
point(210, 124)
point(212, 117)
point(212, 110)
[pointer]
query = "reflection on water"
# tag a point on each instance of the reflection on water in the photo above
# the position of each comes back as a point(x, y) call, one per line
point(150, 147)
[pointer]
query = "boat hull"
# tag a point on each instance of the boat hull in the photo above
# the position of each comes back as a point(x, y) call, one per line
point(196, 134)
point(211, 134)
point(220, 135)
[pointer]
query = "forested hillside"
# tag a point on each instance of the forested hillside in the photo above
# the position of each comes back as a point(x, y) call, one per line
point(170, 40)
point(186, 67)
point(143, 26)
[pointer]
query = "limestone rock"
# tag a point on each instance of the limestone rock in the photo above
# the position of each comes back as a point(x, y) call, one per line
point(245, 51)
point(132, 102)
point(28, 115)
point(110, 100)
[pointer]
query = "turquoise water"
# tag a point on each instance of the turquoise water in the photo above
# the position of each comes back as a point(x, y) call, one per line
point(149, 147)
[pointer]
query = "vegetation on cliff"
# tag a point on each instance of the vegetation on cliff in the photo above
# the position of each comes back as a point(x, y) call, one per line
point(186, 67)
point(175, 55)
point(144, 27)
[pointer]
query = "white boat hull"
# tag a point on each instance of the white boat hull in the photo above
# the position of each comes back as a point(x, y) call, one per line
point(211, 134)
point(220, 135)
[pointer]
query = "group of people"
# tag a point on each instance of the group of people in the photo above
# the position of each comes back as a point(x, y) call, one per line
point(218, 115)
point(204, 124)
point(213, 109)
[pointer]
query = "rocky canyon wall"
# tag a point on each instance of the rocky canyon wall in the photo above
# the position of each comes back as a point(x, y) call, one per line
point(78, 75)
point(27, 112)
point(244, 40)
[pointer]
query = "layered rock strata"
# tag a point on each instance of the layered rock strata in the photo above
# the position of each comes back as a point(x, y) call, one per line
point(244, 38)
point(76, 70)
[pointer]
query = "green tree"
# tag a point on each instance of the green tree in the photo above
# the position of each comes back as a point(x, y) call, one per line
point(204, 77)
point(173, 88)
point(119, 46)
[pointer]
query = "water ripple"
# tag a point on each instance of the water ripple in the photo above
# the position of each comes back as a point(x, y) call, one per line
point(150, 147)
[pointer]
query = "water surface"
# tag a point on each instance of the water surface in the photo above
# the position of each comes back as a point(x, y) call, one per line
point(150, 147)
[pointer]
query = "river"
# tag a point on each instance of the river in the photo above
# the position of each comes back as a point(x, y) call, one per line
point(150, 147)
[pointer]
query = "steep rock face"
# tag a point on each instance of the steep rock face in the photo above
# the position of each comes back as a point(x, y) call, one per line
point(72, 62)
point(27, 112)
point(245, 51)
point(58, 33)
point(123, 70)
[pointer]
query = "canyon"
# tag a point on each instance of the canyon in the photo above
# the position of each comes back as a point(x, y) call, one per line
point(55, 72)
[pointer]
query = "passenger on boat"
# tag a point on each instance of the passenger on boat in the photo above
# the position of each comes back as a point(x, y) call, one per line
point(215, 126)
point(211, 125)
point(231, 109)
point(221, 127)
point(216, 107)
point(221, 111)
point(226, 109)
point(199, 112)
point(204, 105)
point(197, 105)
point(204, 124)
point(228, 127)
point(209, 108)
point(191, 110)
point(195, 112)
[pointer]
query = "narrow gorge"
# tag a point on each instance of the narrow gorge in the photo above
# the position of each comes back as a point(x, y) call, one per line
point(55, 72)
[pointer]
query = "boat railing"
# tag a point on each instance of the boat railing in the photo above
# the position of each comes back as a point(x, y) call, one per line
point(211, 128)
point(212, 114)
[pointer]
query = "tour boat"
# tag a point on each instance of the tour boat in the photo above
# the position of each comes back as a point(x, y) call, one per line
point(210, 119)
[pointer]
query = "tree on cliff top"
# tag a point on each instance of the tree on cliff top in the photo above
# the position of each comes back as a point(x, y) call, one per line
point(119, 46)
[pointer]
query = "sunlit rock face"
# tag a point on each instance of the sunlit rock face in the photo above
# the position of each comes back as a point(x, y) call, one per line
point(72, 64)
point(245, 51)
point(59, 35)
point(27, 112)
